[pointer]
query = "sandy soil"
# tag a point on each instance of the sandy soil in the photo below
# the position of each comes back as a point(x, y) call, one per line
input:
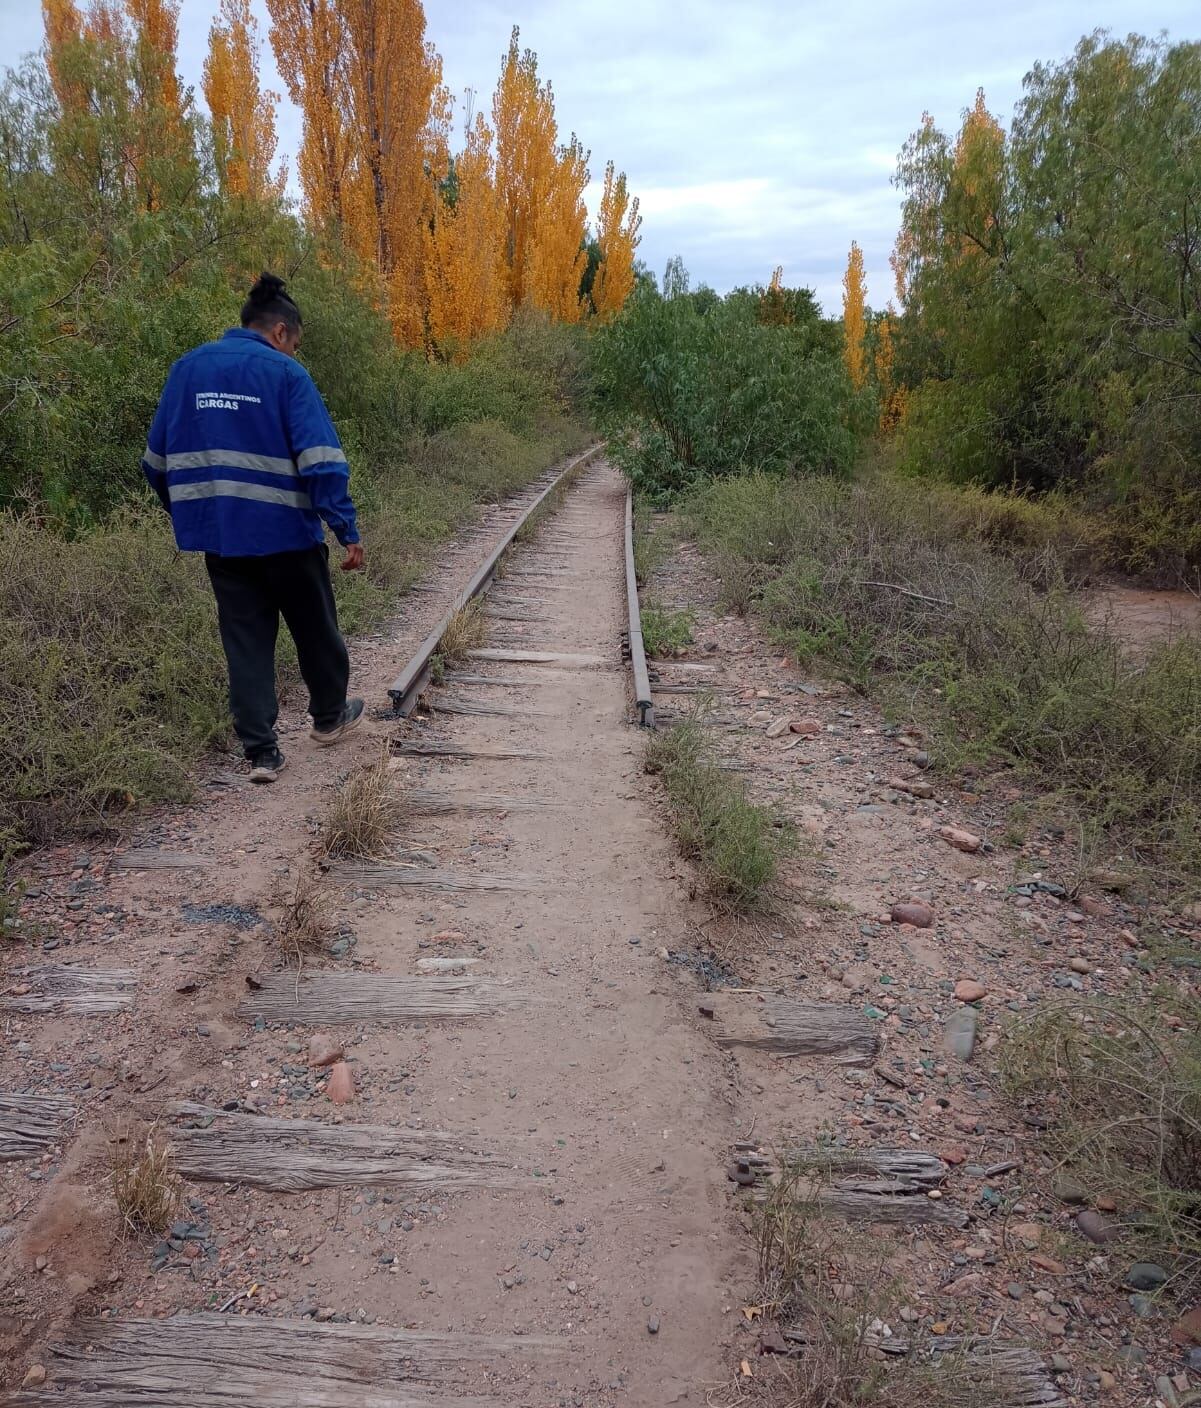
point(607, 1106)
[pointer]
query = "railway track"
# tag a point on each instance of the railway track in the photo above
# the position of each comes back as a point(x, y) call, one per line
point(522, 1199)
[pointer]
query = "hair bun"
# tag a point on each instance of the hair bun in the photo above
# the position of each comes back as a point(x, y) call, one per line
point(267, 287)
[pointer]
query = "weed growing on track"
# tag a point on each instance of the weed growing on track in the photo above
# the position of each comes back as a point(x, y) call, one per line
point(366, 811)
point(145, 1185)
point(1120, 1094)
point(465, 631)
point(736, 844)
point(306, 923)
point(978, 641)
point(835, 1289)
point(664, 631)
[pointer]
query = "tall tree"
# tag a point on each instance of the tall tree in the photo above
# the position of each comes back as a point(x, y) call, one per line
point(617, 223)
point(854, 318)
point(523, 116)
point(399, 112)
point(558, 253)
point(242, 114)
point(309, 38)
point(465, 272)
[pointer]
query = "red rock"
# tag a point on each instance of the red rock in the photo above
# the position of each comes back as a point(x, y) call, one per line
point(1091, 906)
point(340, 1087)
point(1106, 1204)
point(807, 728)
point(953, 1155)
point(969, 990)
point(1030, 1234)
point(1048, 1264)
point(1187, 1330)
point(914, 912)
point(961, 840)
point(324, 1050)
point(965, 1285)
point(449, 936)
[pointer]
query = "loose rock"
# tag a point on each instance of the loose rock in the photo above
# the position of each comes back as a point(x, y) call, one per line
point(1096, 1228)
point(961, 840)
point(914, 912)
point(340, 1087)
point(959, 1035)
point(1146, 1276)
point(969, 990)
point(324, 1050)
point(35, 1376)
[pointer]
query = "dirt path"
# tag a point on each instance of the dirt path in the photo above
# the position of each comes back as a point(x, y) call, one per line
point(543, 1218)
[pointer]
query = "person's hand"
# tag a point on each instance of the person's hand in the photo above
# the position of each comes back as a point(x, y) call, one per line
point(354, 557)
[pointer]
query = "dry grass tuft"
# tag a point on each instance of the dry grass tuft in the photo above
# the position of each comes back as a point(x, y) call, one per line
point(465, 631)
point(306, 924)
point(145, 1185)
point(1119, 1090)
point(369, 806)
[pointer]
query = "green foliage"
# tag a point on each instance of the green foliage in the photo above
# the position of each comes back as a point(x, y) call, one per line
point(111, 675)
point(665, 631)
point(693, 385)
point(736, 844)
point(1053, 293)
point(962, 621)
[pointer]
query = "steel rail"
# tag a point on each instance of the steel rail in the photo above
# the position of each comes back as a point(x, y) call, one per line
point(642, 679)
point(412, 681)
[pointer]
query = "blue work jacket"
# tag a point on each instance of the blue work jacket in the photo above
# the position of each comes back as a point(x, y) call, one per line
point(243, 455)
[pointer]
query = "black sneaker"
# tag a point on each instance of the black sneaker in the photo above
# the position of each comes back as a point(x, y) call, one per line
point(352, 717)
point(266, 767)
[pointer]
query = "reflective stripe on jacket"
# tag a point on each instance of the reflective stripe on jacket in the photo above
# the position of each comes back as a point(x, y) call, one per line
point(243, 455)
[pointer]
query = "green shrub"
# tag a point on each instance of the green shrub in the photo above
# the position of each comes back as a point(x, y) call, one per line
point(689, 387)
point(985, 648)
point(665, 631)
point(736, 844)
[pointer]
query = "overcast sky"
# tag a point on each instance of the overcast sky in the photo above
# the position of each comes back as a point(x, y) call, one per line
point(756, 132)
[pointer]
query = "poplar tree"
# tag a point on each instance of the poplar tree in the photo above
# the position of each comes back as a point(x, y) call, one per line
point(242, 114)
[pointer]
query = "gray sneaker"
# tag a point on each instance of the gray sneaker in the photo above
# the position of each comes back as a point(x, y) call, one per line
point(352, 717)
point(266, 767)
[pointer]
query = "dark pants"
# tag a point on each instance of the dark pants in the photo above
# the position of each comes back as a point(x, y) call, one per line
point(252, 593)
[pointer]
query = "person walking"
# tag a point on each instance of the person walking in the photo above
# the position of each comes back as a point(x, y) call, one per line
point(244, 457)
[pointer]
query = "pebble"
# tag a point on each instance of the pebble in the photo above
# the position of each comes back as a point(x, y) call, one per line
point(35, 1376)
point(959, 1034)
point(1015, 1290)
point(969, 990)
point(961, 840)
point(340, 1086)
point(324, 1050)
point(1146, 1276)
point(1080, 965)
point(652, 1325)
point(1068, 1189)
point(1096, 1228)
point(914, 912)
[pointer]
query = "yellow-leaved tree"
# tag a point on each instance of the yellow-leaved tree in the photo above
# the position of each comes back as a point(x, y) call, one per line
point(558, 253)
point(523, 117)
point(242, 113)
point(854, 318)
point(617, 225)
point(308, 37)
point(465, 276)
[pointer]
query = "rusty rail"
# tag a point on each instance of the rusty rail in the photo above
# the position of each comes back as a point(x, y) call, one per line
point(642, 679)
